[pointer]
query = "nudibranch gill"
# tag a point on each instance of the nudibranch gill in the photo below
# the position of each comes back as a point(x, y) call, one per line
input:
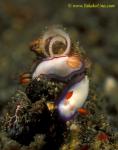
point(62, 65)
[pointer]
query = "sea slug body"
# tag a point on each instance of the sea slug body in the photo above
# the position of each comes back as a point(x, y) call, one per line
point(69, 106)
point(57, 66)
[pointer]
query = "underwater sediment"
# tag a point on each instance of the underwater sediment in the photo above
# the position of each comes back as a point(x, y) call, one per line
point(31, 120)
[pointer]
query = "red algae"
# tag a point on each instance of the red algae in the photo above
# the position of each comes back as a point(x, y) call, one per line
point(103, 137)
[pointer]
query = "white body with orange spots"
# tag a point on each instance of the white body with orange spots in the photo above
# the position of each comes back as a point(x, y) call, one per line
point(68, 107)
point(61, 66)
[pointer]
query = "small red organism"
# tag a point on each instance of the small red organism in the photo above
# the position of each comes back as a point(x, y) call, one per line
point(24, 81)
point(103, 137)
point(25, 78)
point(84, 147)
point(83, 111)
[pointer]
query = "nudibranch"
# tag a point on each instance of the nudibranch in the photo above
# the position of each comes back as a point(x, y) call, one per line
point(65, 67)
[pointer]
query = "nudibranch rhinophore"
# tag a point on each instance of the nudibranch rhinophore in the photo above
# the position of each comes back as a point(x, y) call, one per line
point(65, 67)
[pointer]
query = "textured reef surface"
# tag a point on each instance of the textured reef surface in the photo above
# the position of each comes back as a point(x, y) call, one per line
point(31, 121)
